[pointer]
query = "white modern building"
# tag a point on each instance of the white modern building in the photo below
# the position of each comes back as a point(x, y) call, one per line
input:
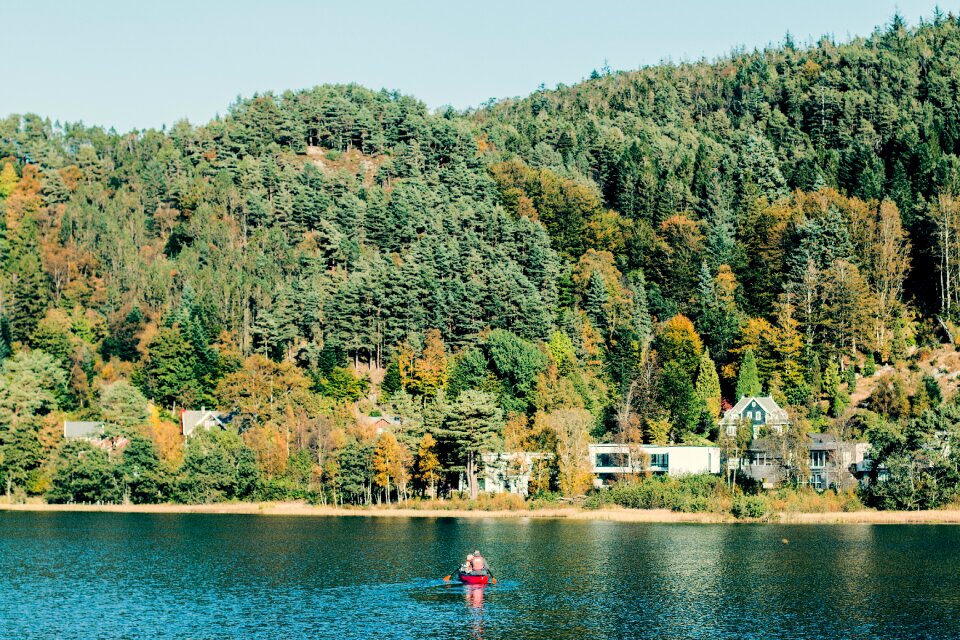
point(611, 461)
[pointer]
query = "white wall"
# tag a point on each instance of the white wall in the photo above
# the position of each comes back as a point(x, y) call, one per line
point(682, 460)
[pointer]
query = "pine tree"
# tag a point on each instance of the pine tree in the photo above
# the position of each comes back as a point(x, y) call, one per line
point(595, 301)
point(6, 349)
point(391, 380)
point(748, 380)
point(642, 322)
point(471, 427)
point(29, 296)
point(869, 365)
point(720, 242)
point(169, 368)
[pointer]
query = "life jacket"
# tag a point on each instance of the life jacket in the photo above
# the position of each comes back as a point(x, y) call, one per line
point(479, 564)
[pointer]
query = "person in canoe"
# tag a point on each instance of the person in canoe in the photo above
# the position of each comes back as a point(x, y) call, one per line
point(479, 563)
point(467, 566)
point(475, 570)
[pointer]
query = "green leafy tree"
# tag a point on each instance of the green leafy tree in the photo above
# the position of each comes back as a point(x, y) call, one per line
point(140, 474)
point(217, 466)
point(85, 475)
point(31, 384)
point(20, 456)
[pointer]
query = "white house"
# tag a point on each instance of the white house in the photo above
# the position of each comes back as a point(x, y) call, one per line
point(608, 461)
point(190, 421)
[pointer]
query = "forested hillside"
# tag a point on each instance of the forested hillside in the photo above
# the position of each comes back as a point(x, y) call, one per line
point(613, 260)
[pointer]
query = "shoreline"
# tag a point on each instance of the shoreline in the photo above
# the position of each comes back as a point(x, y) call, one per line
point(652, 516)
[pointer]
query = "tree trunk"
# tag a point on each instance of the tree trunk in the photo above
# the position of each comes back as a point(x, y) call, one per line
point(472, 476)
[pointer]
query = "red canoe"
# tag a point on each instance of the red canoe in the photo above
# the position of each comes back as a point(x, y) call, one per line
point(473, 578)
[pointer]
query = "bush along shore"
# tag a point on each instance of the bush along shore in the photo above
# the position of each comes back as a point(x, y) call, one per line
point(655, 498)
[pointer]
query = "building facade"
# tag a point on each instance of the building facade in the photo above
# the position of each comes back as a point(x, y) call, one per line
point(832, 462)
point(760, 412)
point(206, 419)
point(610, 462)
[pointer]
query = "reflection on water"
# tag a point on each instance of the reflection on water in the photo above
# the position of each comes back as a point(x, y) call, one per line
point(195, 576)
point(473, 596)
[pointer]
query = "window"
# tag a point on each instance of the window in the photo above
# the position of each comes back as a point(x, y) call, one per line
point(659, 460)
point(816, 480)
point(818, 459)
point(613, 460)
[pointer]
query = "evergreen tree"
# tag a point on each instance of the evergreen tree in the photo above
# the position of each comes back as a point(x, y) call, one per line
point(28, 296)
point(169, 369)
point(595, 300)
point(472, 427)
point(869, 365)
point(748, 380)
point(391, 380)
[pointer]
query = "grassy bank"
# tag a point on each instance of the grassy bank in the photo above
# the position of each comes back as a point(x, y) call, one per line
point(614, 514)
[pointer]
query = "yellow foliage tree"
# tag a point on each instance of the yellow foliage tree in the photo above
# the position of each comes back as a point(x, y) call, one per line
point(8, 180)
point(166, 436)
point(428, 464)
point(431, 369)
point(270, 449)
point(571, 428)
point(390, 461)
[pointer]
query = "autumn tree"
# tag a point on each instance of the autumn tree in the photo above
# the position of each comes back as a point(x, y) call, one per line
point(390, 459)
point(430, 369)
point(571, 429)
point(427, 464)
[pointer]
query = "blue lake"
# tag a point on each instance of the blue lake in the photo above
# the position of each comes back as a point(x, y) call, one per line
point(87, 575)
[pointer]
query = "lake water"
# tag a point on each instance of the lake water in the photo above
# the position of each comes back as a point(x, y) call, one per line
point(85, 575)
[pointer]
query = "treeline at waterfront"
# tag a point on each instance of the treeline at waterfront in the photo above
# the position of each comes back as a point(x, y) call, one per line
point(373, 296)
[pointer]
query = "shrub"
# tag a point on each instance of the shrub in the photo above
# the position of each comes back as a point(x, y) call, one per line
point(749, 507)
point(869, 365)
point(694, 493)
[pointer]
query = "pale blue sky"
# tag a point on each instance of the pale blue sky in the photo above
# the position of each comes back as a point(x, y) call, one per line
point(127, 64)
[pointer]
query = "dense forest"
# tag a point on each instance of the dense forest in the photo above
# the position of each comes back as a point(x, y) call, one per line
point(613, 261)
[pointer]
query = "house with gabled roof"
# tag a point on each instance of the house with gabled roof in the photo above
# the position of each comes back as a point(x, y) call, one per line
point(381, 423)
point(205, 419)
point(759, 411)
